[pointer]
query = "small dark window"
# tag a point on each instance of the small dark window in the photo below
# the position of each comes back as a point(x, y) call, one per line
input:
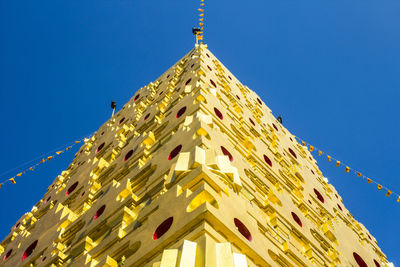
point(99, 212)
point(180, 112)
point(213, 83)
point(29, 250)
point(267, 160)
point(163, 228)
point(218, 113)
point(174, 152)
point(227, 153)
point(319, 196)
point(100, 147)
point(243, 229)
point(297, 219)
point(71, 188)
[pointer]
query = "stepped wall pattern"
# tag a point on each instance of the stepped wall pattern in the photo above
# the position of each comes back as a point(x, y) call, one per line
point(193, 171)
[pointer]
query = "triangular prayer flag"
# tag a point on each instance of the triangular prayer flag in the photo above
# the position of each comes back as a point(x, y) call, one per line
point(359, 174)
point(347, 169)
point(31, 168)
point(369, 180)
point(311, 148)
point(68, 148)
point(202, 4)
point(303, 143)
point(337, 163)
point(59, 152)
point(379, 187)
point(201, 15)
point(319, 153)
point(201, 10)
point(329, 158)
point(12, 180)
point(19, 174)
point(49, 158)
point(43, 160)
point(398, 199)
point(201, 19)
point(388, 193)
point(77, 142)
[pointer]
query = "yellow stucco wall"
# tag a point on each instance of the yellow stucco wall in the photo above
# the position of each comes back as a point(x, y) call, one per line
point(193, 171)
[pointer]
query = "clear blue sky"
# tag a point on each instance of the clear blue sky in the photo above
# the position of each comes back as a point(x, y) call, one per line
point(331, 68)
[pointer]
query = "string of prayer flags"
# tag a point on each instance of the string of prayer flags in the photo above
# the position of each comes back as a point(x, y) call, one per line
point(347, 169)
point(43, 160)
point(200, 35)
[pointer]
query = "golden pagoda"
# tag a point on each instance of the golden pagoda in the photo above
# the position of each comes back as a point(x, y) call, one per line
point(193, 171)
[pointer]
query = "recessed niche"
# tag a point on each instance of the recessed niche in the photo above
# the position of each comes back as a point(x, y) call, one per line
point(71, 188)
point(243, 229)
point(7, 255)
point(29, 250)
point(99, 212)
point(138, 95)
point(146, 117)
point(180, 112)
point(377, 263)
point(100, 147)
point(276, 128)
point(292, 153)
point(227, 153)
point(339, 207)
point(174, 152)
point(121, 121)
point(359, 260)
point(163, 228)
point(319, 196)
point(218, 113)
point(297, 219)
point(188, 81)
point(128, 155)
point(252, 122)
point(209, 68)
point(213, 83)
point(259, 101)
point(267, 160)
